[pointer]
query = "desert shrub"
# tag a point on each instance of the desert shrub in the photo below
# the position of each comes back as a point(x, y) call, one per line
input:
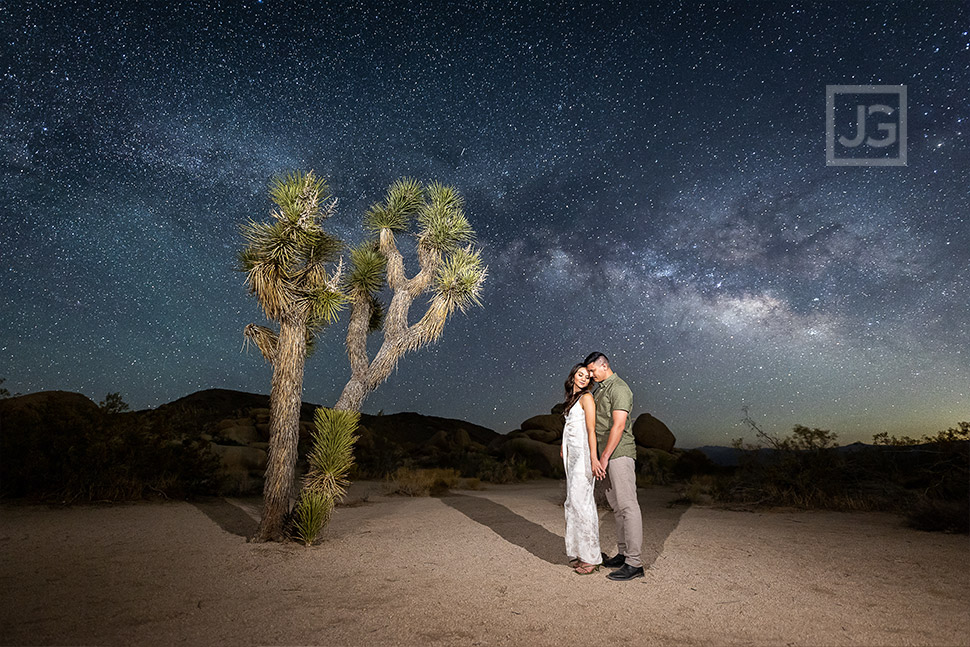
point(698, 490)
point(803, 470)
point(655, 467)
point(423, 482)
point(937, 515)
point(113, 403)
point(926, 479)
point(488, 469)
point(472, 484)
point(939, 465)
point(693, 463)
point(378, 458)
point(936, 469)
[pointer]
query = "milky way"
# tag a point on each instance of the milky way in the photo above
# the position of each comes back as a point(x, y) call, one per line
point(646, 182)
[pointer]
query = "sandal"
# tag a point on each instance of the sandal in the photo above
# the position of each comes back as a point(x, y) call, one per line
point(586, 569)
point(574, 562)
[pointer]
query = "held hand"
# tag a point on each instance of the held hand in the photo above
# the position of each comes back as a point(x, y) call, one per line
point(604, 463)
point(599, 471)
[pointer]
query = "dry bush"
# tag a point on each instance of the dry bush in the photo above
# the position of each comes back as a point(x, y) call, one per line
point(423, 482)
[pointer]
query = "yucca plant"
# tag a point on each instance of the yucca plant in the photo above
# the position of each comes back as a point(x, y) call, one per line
point(285, 261)
point(330, 460)
point(450, 274)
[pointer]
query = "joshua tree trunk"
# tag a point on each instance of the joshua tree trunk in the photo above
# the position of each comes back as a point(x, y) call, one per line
point(285, 401)
point(353, 396)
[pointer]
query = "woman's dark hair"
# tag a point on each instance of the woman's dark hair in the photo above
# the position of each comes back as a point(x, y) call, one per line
point(572, 398)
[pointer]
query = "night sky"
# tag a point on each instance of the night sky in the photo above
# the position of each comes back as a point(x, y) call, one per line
point(646, 182)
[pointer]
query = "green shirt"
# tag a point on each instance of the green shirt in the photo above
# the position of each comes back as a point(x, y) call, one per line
point(612, 395)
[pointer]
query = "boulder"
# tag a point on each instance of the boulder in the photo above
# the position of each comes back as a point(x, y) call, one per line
point(547, 422)
point(439, 440)
point(239, 459)
point(543, 435)
point(449, 440)
point(651, 433)
point(242, 434)
point(460, 439)
point(538, 456)
point(477, 447)
point(234, 422)
point(544, 428)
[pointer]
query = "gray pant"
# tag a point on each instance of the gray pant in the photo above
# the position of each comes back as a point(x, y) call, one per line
point(621, 493)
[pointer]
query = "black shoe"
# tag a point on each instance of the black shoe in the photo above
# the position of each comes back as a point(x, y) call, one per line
point(625, 572)
point(613, 562)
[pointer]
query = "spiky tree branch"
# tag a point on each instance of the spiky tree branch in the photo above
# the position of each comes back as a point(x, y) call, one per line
point(450, 272)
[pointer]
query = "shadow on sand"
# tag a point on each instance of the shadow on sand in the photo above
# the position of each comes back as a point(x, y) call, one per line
point(509, 526)
point(229, 517)
point(659, 521)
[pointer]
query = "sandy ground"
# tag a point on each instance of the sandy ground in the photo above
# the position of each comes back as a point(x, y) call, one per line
point(474, 568)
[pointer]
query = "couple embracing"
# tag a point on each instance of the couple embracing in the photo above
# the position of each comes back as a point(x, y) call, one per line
point(598, 444)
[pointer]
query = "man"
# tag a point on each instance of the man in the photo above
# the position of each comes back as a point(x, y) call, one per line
point(617, 450)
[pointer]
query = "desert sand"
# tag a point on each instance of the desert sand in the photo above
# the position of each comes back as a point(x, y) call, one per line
point(473, 568)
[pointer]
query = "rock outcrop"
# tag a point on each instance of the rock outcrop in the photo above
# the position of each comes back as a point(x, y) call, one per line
point(539, 456)
point(235, 428)
point(650, 432)
point(544, 428)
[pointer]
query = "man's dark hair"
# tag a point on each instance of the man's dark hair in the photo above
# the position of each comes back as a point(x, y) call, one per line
point(593, 357)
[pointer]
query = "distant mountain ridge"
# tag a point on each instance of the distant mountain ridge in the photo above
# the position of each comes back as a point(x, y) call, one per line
point(402, 428)
point(730, 456)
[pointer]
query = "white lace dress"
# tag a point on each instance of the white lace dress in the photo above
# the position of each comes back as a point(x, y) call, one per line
point(582, 522)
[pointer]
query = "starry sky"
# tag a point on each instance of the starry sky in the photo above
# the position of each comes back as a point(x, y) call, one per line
point(646, 179)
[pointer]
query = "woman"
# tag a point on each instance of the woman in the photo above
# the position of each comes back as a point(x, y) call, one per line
point(580, 461)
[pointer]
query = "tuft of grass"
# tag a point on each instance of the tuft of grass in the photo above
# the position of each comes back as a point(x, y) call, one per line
point(423, 482)
point(698, 491)
point(472, 484)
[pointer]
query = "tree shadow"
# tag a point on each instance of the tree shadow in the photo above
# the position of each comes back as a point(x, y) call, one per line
point(511, 527)
point(659, 521)
point(227, 516)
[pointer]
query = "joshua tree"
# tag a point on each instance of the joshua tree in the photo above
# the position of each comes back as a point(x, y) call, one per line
point(451, 272)
point(285, 263)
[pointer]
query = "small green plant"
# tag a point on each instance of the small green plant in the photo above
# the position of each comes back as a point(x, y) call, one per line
point(331, 457)
point(312, 513)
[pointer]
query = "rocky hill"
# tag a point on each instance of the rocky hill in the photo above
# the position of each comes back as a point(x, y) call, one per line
point(49, 428)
